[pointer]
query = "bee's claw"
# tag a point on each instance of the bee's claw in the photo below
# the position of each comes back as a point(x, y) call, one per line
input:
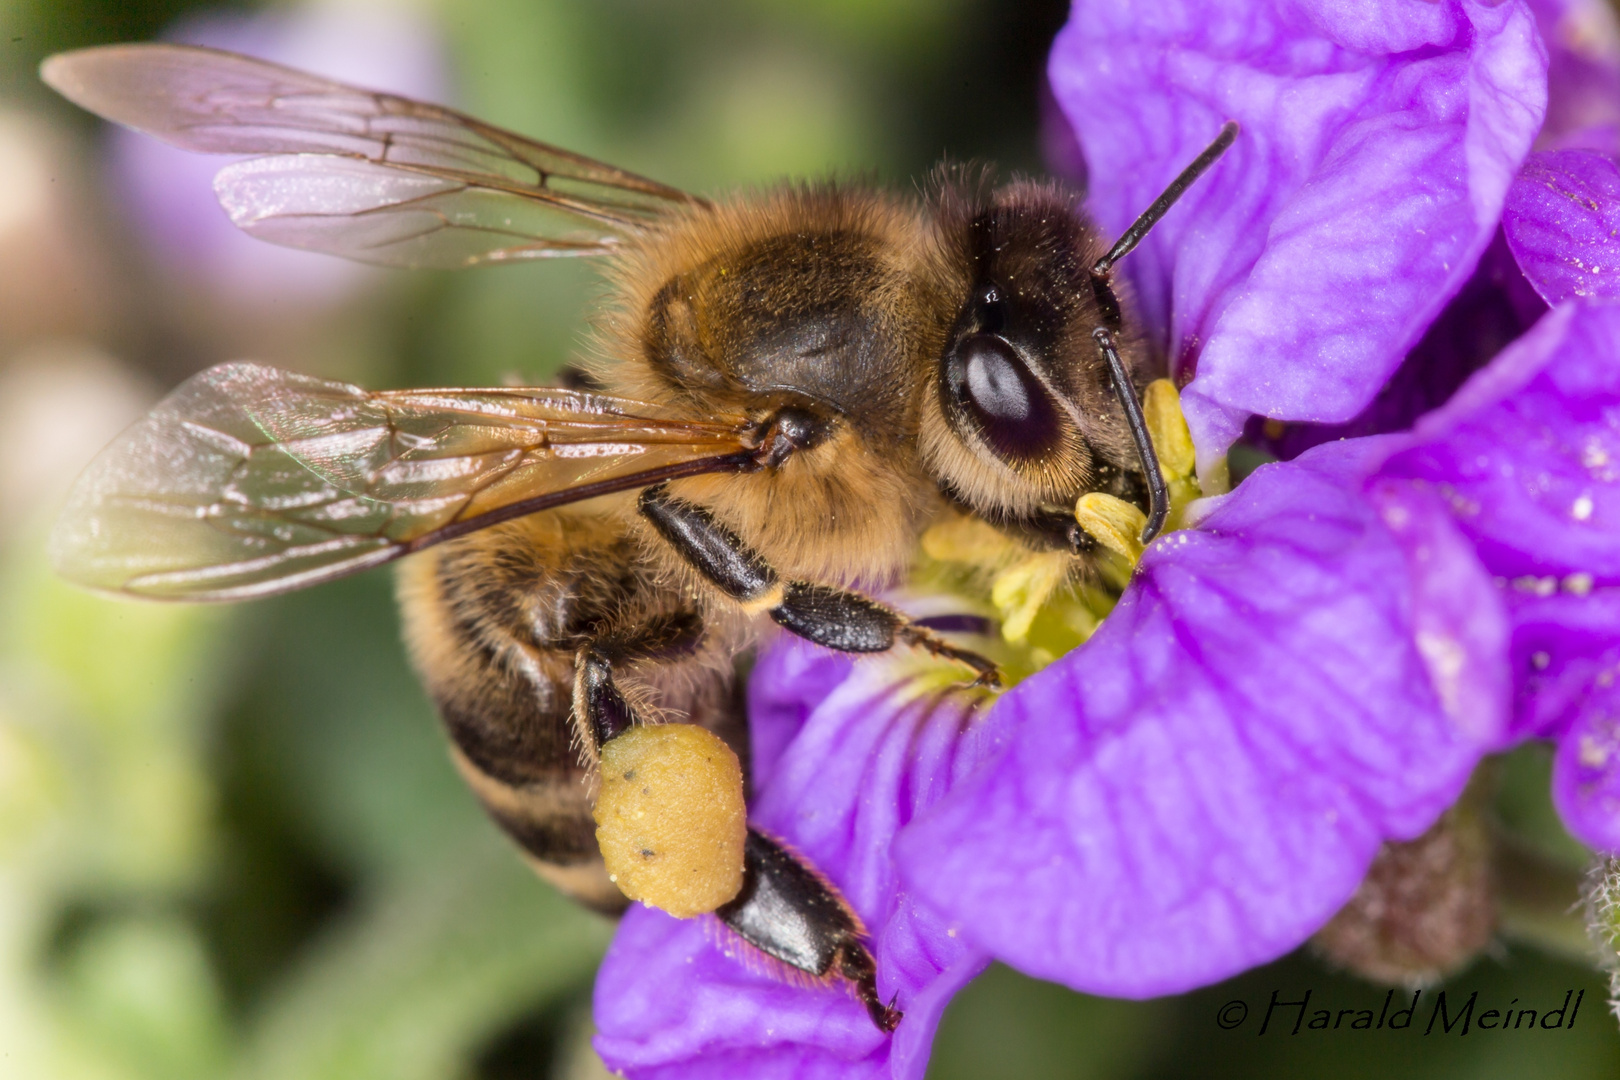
point(988, 674)
point(890, 1017)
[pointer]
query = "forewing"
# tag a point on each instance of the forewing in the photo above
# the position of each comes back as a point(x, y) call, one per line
point(349, 162)
point(249, 480)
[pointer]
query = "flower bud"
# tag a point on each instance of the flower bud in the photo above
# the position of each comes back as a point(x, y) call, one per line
point(1425, 908)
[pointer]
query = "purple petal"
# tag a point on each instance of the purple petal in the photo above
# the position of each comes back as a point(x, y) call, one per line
point(1460, 626)
point(1566, 649)
point(1561, 219)
point(1527, 458)
point(1583, 75)
point(1564, 646)
point(1201, 785)
point(1586, 770)
point(1491, 311)
point(1378, 143)
point(1528, 451)
point(851, 753)
point(1059, 147)
point(784, 688)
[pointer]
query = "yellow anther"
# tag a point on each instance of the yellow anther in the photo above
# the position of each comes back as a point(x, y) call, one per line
point(1161, 407)
point(965, 540)
point(1019, 591)
point(1113, 523)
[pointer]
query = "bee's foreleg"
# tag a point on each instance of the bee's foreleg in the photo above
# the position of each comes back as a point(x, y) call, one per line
point(836, 618)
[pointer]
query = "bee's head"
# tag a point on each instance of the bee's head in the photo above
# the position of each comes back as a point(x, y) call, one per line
point(1022, 412)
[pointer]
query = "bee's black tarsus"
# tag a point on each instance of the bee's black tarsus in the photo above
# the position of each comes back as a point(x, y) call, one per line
point(790, 913)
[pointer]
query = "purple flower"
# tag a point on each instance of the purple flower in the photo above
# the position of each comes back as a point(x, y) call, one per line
point(1316, 664)
point(1526, 457)
point(1562, 216)
point(1583, 75)
point(844, 755)
point(1378, 144)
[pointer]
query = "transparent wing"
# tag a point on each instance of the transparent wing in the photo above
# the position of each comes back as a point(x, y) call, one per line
point(248, 480)
point(368, 175)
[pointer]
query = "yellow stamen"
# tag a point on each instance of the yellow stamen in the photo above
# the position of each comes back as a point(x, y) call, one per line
point(1020, 591)
point(966, 540)
point(1161, 407)
point(1113, 523)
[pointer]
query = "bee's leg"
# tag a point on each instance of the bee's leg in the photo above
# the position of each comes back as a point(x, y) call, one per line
point(597, 701)
point(784, 908)
point(598, 704)
point(787, 912)
point(836, 618)
point(670, 812)
point(495, 622)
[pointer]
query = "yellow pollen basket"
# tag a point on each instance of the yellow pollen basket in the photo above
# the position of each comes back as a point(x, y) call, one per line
point(670, 818)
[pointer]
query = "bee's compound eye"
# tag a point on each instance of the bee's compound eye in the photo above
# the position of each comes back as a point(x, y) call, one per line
point(670, 817)
point(997, 384)
point(1010, 406)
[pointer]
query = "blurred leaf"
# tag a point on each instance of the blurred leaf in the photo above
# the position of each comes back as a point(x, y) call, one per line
point(117, 694)
point(517, 323)
point(34, 29)
point(334, 717)
point(140, 991)
point(523, 65)
point(412, 987)
point(1524, 805)
point(1009, 1025)
point(774, 111)
point(903, 27)
point(33, 789)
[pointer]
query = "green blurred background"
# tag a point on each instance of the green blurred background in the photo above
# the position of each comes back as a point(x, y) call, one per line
point(231, 843)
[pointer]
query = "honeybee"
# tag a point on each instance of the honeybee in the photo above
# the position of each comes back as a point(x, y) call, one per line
point(785, 389)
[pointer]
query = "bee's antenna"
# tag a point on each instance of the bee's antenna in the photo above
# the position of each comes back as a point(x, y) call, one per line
point(1101, 273)
point(1161, 206)
point(1158, 492)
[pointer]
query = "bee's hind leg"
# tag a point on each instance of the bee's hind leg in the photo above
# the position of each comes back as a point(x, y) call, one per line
point(670, 811)
point(789, 913)
point(599, 707)
point(774, 901)
point(836, 618)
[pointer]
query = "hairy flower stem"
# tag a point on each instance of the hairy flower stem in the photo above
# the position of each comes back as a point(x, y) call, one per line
point(1602, 900)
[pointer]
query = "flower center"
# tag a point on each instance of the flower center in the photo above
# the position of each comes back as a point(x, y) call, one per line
point(1049, 602)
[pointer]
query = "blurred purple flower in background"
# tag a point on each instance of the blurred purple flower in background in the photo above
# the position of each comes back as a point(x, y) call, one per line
point(170, 194)
point(1583, 75)
point(1315, 666)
